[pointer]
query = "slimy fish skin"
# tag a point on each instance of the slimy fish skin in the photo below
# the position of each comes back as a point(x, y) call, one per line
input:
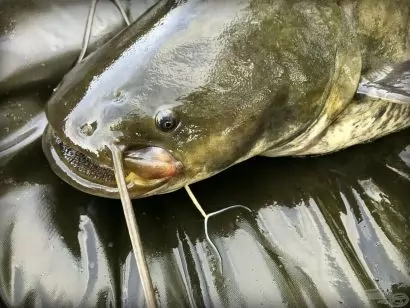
point(194, 87)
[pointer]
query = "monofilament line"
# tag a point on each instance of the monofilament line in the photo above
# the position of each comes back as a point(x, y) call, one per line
point(133, 229)
point(207, 216)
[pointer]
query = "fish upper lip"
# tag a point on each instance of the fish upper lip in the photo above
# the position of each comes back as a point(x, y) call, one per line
point(70, 174)
point(152, 163)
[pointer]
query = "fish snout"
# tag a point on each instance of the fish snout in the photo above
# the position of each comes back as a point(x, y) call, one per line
point(150, 164)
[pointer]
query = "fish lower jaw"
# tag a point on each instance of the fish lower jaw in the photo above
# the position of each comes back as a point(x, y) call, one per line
point(87, 175)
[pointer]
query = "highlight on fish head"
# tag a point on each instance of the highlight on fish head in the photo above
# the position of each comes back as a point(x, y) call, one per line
point(169, 137)
point(189, 92)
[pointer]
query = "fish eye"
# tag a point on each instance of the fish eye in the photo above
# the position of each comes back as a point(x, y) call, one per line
point(166, 120)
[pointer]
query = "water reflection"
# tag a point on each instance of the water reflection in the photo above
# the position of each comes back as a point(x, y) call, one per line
point(324, 231)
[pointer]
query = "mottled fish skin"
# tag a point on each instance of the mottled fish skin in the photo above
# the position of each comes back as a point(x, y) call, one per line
point(243, 78)
point(385, 39)
point(383, 30)
point(362, 121)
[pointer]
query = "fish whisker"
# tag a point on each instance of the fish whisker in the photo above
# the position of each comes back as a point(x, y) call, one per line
point(122, 11)
point(88, 28)
point(132, 226)
point(206, 219)
point(89, 25)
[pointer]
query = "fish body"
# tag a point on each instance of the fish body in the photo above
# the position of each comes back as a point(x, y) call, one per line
point(195, 87)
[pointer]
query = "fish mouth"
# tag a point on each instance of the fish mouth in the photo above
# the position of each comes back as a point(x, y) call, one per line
point(147, 170)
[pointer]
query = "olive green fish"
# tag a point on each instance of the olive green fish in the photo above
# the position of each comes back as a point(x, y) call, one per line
point(194, 87)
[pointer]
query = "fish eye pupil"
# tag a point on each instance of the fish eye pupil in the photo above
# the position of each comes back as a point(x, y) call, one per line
point(166, 120)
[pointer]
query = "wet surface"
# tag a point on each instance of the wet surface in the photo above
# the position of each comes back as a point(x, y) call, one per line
point(41, 39)
point(325, 231)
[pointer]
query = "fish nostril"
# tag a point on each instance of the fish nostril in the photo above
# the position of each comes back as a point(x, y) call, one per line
point(118, 97)
point(88, 129)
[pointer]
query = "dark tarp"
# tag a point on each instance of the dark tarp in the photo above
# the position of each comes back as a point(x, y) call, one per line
point(327, 231)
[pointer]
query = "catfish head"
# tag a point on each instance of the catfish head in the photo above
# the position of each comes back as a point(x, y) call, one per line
point(190, 90)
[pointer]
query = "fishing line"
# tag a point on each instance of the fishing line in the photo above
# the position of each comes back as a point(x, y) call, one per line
point(206, 219)
point(133, 228)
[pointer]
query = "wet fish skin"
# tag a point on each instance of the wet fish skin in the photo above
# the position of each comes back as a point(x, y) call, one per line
point(243, 78)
